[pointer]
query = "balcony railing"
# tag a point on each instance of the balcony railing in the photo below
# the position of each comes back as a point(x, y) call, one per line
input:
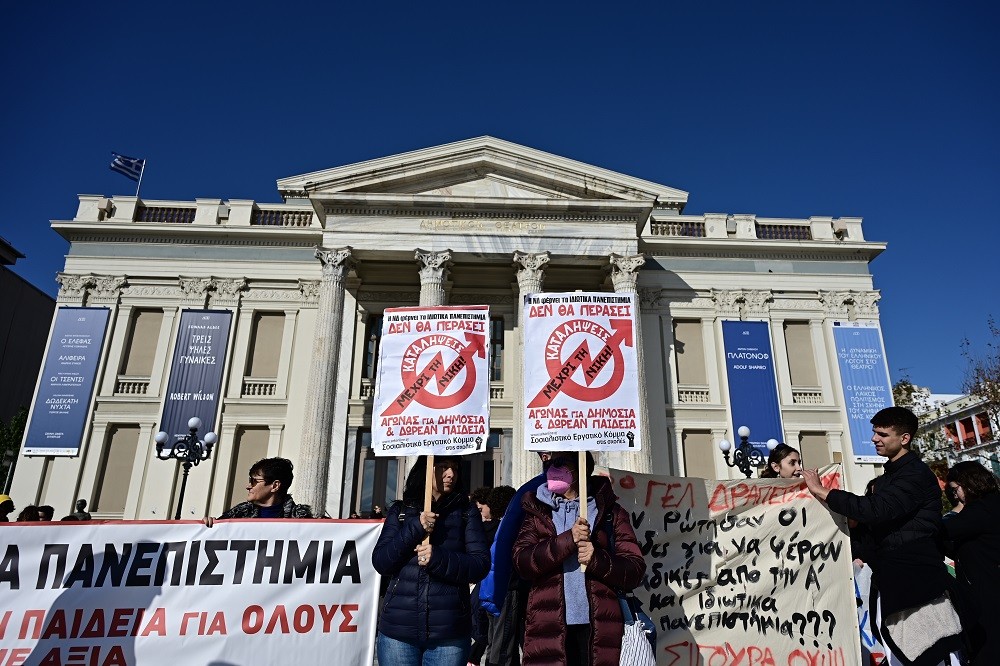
point(131, 385)
point(367, 389)
point(784, 231)
point(254, 387)
point(693, 394)
point(165, 215)
point(496, 390)
point(807, 396)
point(281, 218)
point(687, 228)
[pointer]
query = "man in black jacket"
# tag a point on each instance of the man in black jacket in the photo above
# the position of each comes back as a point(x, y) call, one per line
point(902, 516)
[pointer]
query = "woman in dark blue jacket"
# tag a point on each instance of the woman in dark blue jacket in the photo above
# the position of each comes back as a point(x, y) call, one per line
point(426, 617)
point(974, 534)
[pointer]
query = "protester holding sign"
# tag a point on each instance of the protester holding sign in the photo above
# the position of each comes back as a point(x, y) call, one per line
point(975, 533)
point(918, 621)
point(783, 463)
point(574, 616)
point(425, 617)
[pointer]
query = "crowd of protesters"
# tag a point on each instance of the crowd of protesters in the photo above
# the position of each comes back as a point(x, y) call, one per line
point(545, 581)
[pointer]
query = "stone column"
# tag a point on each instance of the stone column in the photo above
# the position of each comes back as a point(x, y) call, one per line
point(433, 273)
point(433, 276)
point(624, 277)
point(530, 276)
point(314, 450)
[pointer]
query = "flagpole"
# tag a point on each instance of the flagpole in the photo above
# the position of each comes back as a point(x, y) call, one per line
point(141, 171)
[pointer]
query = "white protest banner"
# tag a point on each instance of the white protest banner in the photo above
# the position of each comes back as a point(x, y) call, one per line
point(160, 593)
point(581, 372)
point(432, 392)
point(749, 572)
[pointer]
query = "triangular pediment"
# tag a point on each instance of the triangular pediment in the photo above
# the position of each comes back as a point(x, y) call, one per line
point(480, 168)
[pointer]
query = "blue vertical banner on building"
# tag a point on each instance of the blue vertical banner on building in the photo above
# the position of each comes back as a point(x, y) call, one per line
point(66, 386)
point(196, 371)
point(753, 390)
point(865, 381)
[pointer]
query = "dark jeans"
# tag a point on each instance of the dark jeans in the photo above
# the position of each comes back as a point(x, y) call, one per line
point(578, 644)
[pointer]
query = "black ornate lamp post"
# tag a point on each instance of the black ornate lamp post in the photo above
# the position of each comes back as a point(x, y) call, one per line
point(188, 449)
point(745, 458)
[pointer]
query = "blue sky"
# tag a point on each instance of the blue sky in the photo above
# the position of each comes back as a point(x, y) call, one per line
point(884, 110)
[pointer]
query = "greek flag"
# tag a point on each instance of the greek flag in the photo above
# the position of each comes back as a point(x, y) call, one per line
point(129, 167)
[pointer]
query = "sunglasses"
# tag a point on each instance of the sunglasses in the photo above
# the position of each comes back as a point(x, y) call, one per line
point(253, 481)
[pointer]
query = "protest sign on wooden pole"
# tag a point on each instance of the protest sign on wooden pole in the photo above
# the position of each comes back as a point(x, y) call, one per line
point(432, 389)
point(581, 375)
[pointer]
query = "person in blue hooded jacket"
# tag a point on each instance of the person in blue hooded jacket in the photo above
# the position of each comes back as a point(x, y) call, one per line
point(426, 614)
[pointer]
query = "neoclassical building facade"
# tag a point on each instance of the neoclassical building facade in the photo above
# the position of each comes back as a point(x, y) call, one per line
point(481, 221)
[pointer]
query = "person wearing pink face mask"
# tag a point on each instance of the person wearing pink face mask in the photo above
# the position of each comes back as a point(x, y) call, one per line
point(574, 616)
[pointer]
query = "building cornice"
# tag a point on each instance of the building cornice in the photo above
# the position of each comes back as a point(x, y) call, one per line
point(462, 208)
point(185, 234)
point(480, 157)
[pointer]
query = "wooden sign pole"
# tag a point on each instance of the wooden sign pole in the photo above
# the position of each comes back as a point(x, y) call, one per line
point(428, 484)
point(581, 475)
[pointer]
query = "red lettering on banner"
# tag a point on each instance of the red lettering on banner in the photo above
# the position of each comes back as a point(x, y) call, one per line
point(671, 499)
point(818, 658)
point(80, 654)
point(95, 626)
point(688, 653)
point(276, 617)
point(253, 619)
point(37, 616)
point(3, 622)
point(726, 497)
point(56, 625)
point(157, 624)
point(119, 622)
point(184, 621)
point(303, 619)
point(327, 613)
point(348, 611)
point(218, 625)
point(15, 656)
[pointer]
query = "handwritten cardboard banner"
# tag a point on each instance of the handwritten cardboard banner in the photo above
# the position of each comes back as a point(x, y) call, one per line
point(581, 372)
point(752, 572)
point(432, 394)
point(148, 593)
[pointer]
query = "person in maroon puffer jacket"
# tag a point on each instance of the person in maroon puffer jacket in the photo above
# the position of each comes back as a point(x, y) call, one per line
point(574, 618)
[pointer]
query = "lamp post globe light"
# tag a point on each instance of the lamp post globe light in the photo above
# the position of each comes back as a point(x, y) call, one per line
point(745, 458)
point(188, 449)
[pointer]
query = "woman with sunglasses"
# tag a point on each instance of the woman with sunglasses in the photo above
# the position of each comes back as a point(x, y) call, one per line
point(426, 616)
point(574, 617)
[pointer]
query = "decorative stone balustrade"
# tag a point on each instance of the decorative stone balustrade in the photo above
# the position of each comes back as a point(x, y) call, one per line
point(254, 387)
point(680, 228)
point(496, 390)
point(693, 394)
point(165, 214)
point(131, 385)
point(807, 396)
point(784, 231)
point(280, 218)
